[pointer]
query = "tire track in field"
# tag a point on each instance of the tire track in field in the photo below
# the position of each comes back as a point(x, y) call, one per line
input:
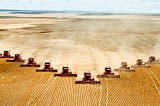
point(103, 100)
point(20, 82)
point(154, 80)
point(24, 97)
point(9, 71)
point(40, 89)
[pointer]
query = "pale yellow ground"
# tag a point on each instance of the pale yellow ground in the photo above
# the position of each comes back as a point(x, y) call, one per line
point(83, 43)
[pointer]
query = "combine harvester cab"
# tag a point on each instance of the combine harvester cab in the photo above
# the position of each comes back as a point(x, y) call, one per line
point(108, 74)
point(87, 79)
point(65, 73)
point(152, 60)
point(140, 64)
point(6, 54)
point(124, 67)
point(47, 68)
point(31, 63)
point(17, 58)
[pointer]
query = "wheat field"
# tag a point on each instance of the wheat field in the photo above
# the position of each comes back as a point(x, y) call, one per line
point(23, 86)
point(84, 43)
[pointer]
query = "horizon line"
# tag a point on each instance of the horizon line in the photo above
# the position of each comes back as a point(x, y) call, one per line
point(73, 11)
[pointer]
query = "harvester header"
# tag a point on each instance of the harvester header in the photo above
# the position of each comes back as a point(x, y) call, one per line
point(31, 63)
point(108, 74)
point(65, 73)
point(47, 68)
point(17, 58)
point(87, 79)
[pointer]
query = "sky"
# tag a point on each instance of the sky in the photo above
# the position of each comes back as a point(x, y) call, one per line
point(108, 6)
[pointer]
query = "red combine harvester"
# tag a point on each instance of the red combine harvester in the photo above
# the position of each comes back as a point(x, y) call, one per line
point(6, 54)
point(124, 67)
point(152, 60)
point(31, 63)
point(108, 74)
point(17, 58)
point(66, 73)
point(87, 79)
point(47, 68)
point(140, 64)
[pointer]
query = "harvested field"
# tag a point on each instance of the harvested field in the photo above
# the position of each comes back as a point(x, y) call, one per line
point(23, 86)
point(83, 43)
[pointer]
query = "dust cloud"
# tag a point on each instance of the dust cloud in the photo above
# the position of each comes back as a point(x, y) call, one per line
point(83, 44)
